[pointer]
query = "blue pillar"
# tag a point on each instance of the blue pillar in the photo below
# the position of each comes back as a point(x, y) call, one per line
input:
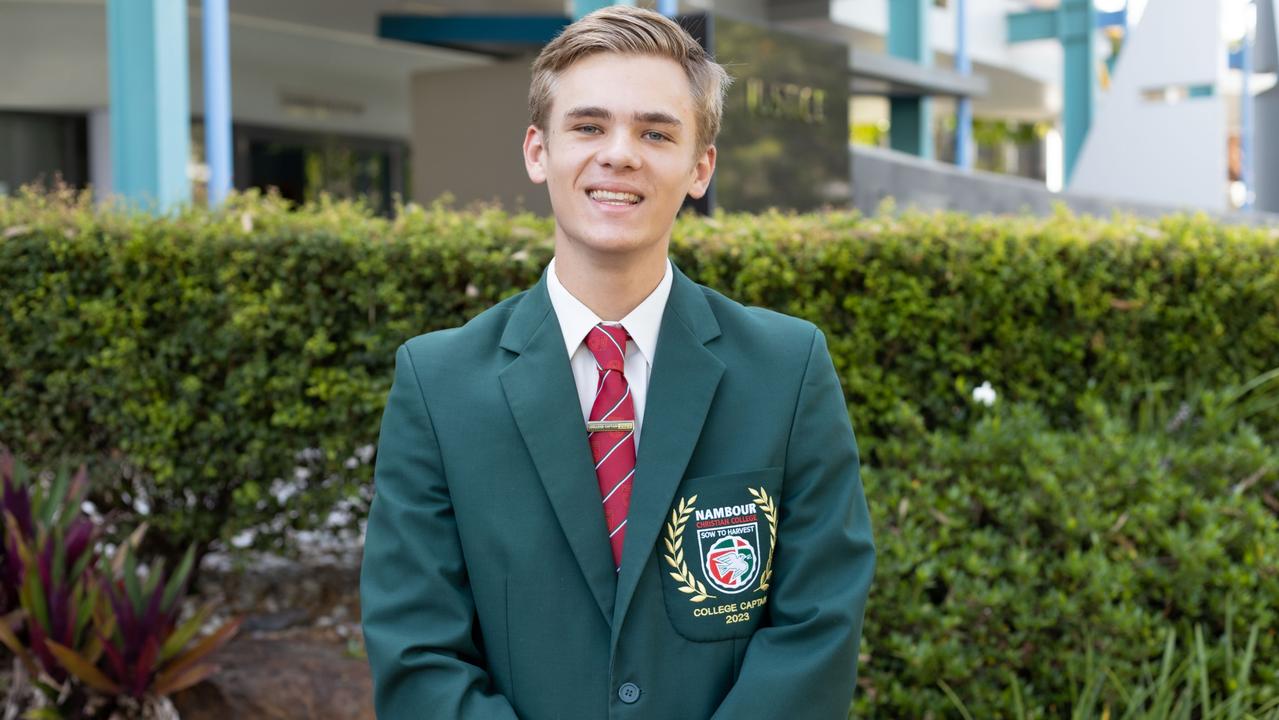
point(910, 118)
point(586, 7)
point(150, 101)
point(217, 100)
point(964, 109)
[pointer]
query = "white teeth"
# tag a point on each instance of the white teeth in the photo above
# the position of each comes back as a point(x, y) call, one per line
point(614, 197)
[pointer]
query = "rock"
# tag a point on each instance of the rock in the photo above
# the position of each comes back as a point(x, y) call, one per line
point(273, 621)
point(282, 588)
point(152, 708)
point(281, 679)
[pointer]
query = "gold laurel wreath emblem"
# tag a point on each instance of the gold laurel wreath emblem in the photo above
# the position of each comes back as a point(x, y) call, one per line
point(688, 584)
point(769, 508)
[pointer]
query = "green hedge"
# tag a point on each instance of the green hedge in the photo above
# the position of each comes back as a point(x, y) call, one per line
point(197, 361)
point(1009, 553)
point(202, 355)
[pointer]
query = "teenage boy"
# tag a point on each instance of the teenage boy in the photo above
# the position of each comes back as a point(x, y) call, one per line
point(618, 494)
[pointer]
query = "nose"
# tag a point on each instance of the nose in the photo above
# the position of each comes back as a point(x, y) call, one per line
point(620, 152)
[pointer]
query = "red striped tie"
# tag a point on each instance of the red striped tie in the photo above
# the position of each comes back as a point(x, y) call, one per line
point(614, 450)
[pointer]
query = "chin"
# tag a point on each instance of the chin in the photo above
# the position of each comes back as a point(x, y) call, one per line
point(614, 244)
point(618, 246)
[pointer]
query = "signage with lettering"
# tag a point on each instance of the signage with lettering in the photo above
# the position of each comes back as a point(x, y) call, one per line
point(784, 140)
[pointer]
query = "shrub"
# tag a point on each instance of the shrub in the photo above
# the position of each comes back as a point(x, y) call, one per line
point(45, 545)
point(91, 639)
point(1169, 689)
point(226, 370)
point(1012, 554)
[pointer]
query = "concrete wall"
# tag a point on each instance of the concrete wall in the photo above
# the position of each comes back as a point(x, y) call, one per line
point(467, 130)
point(1266, 159)
point(911, 182)
point(52, 57)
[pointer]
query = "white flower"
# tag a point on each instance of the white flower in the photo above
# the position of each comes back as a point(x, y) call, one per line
point(984, 394)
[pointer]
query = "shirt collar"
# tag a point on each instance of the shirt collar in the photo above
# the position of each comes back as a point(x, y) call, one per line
point(576, 320)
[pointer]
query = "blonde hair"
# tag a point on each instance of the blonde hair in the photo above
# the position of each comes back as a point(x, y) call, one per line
point(636, 31)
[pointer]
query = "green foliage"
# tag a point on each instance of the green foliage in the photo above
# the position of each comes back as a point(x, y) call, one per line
point(1167, 690)
point(203, 362)
point(141, 648)
point(1013, 555)
point(89, 634)
point(47, 545)
point(201, 359)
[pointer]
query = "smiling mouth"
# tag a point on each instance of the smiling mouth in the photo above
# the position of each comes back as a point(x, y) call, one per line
point(620, 199)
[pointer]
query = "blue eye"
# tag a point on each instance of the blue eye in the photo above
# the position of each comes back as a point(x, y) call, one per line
point(654, 135)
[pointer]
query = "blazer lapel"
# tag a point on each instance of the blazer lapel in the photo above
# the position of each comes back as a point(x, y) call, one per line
point(541, 393)
point(684, 378)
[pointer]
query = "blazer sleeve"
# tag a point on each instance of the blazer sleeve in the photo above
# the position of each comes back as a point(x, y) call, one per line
point(416, 605)
point(802, 664)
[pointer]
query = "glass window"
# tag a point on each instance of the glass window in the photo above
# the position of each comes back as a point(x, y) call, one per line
point(42, 148)
point(303, 165)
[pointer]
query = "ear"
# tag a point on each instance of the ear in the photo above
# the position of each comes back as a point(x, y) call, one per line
point(702, 171)
point(535, 154)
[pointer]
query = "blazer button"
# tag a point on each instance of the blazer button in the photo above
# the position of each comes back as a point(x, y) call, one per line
point(628, 693)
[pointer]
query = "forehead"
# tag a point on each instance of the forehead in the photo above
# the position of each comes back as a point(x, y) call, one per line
point(624, 84)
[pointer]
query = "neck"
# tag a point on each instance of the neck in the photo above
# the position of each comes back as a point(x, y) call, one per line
point(610, 286)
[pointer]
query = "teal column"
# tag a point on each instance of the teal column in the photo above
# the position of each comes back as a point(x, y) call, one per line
point(586, 7)
point(1073, 23)
point(150, 101)
point(910, 118)
point(1077, 30)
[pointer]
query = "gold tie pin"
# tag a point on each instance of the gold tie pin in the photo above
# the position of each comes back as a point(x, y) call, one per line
point(610, 426)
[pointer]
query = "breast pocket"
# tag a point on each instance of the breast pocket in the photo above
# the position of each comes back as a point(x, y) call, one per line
point(717, 553)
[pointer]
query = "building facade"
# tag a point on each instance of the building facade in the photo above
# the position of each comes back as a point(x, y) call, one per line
point(382, 99)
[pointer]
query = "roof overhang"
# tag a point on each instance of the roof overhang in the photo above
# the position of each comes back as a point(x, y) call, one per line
point(879, 74)
point(872, 72)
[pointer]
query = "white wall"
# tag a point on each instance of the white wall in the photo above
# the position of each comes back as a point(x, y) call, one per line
point(1161, 152)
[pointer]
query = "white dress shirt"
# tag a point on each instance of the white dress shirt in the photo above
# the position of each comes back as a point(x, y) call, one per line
point(643, 324)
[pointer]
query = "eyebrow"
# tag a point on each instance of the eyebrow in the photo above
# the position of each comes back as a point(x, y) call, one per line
point(599, 113)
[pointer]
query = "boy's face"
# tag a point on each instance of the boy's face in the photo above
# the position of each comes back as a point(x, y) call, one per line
point(618, 154)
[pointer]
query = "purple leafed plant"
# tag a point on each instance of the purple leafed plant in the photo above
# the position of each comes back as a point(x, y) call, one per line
point(48, 551)
point(32, 517)
point(59, 596)
point(144, 649)
point(98, 623)
point(15, 510)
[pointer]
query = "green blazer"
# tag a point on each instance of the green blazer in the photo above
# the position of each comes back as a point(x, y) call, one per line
point(488, 590)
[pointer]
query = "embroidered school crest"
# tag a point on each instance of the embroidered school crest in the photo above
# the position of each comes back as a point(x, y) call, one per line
point(728, 546)
point(730, 561)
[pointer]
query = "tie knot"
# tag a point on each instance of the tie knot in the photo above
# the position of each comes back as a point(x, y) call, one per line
point(608, 344)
